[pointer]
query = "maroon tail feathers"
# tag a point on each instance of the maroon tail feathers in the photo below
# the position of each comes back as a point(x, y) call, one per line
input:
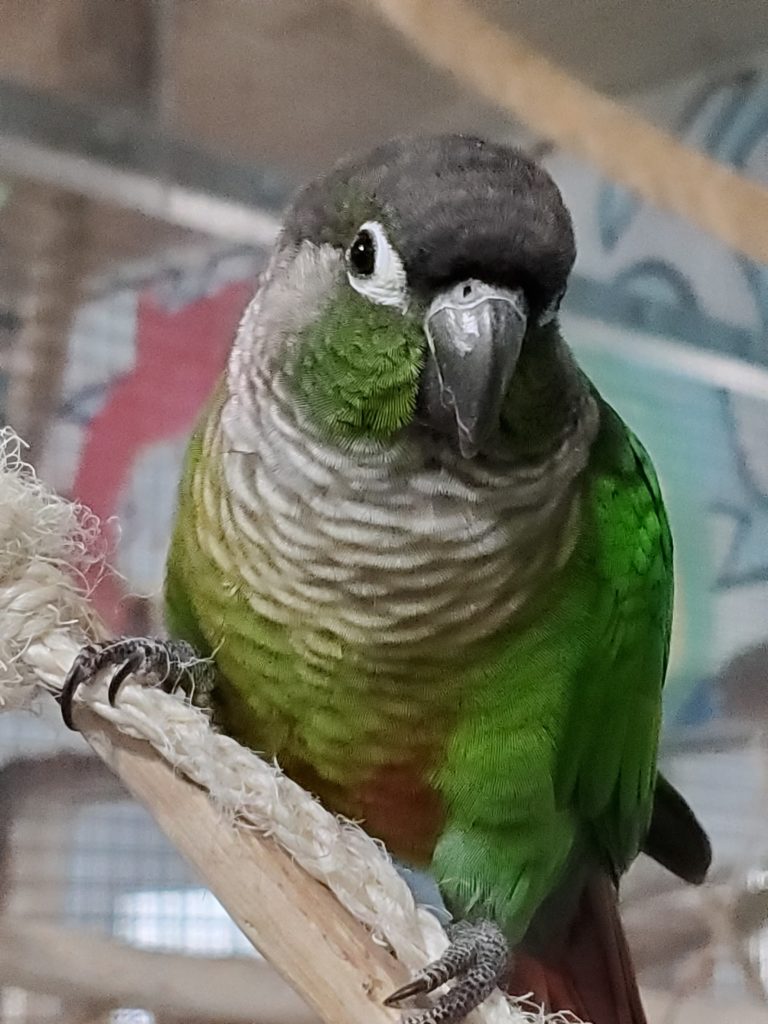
point(591, 974)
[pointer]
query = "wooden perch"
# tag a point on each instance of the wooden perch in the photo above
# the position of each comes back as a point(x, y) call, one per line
point(624, 146)
point(326, 955)
point(89, 970)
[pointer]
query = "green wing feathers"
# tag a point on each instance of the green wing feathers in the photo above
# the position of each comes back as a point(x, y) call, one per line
point(607, 762)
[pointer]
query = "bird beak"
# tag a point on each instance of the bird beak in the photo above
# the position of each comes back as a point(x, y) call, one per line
point(474, 335)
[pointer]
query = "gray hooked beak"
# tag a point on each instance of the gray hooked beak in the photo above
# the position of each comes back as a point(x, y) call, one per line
point(474, 332)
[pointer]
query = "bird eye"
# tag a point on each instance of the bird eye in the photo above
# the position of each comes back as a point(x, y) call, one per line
point(362, 254)
point(374, 268)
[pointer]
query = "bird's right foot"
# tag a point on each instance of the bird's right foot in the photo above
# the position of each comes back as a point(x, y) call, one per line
point(476, 959)
point(169, 665)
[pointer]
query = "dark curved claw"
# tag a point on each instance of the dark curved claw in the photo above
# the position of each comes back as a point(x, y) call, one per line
point(81, 670)
point(132, 664)
point(414, 987)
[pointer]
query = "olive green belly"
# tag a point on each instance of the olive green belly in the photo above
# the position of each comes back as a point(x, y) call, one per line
point(369, 759)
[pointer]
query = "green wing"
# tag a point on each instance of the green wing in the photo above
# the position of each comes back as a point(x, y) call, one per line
point(607, 764)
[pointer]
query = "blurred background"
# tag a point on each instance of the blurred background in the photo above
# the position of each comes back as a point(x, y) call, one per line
point(146, 150)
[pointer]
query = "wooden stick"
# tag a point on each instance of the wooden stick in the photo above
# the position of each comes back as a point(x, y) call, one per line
point(318, 947)
point(624, 146)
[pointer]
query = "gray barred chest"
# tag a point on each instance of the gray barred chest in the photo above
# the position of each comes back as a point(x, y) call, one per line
point(381, 565)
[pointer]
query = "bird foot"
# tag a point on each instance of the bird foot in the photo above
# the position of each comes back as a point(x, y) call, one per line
point(169, 665)
point(476, 959)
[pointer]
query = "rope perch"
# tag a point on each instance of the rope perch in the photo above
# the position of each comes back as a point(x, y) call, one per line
point(44, 620)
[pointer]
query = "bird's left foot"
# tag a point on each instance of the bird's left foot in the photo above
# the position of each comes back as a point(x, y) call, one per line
point(476, 959)
point(170, 665)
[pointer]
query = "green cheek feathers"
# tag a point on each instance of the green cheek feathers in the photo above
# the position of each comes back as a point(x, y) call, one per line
point(358, 368)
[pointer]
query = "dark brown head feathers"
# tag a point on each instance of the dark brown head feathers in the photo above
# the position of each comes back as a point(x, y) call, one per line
point(454, 207)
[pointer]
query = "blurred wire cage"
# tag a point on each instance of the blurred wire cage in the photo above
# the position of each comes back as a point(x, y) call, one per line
point(126, 259)
point(77, 853)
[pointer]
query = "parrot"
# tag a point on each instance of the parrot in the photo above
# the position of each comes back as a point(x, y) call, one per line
point(429, 569)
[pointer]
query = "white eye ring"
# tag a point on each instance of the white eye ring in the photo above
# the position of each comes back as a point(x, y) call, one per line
point(386, 285)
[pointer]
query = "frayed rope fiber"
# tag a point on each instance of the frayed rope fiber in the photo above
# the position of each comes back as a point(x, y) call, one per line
point(45, 544)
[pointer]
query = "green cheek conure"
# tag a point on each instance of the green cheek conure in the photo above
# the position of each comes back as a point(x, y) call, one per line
point(434, 570)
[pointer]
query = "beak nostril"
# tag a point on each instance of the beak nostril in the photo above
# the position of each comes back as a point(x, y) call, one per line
point(467, 290)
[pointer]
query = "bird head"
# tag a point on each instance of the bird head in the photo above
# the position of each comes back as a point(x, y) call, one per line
point(439, 259)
